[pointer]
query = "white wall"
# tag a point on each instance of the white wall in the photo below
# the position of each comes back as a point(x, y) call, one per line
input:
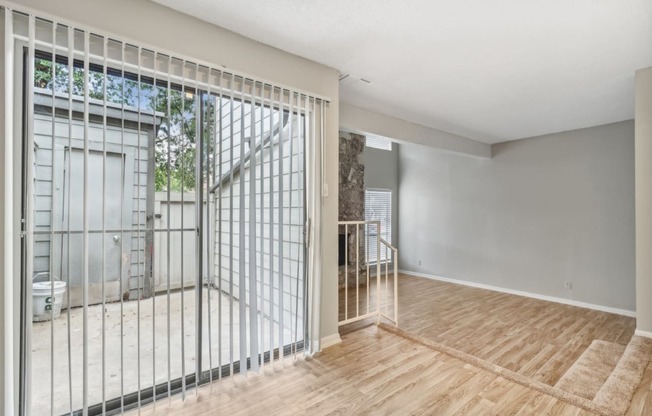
point(541, 212)
point(644, 201)
point(360, 120)
point(4, 328)
point(150, 24)
point(381, 172)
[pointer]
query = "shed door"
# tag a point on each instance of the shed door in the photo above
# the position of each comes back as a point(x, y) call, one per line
point(71, 215)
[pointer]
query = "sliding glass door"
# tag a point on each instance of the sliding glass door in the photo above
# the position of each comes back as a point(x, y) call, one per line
point(165, 221)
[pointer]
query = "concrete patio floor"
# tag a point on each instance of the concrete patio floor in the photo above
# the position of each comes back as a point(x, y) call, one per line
point(123, 375)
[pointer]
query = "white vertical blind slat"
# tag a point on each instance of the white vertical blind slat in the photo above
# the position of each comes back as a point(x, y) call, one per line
point(266, 274)
point(253, 275)
point(271, 227)
point(85, 249)
point(242, 295)
point(182, 232)
point(281, 234)
point(71, 47)
point(51, 267)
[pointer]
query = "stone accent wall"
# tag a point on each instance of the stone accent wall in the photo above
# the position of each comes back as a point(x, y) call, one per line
point(351, 200)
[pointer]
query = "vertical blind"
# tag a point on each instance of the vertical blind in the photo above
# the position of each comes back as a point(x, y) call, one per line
point(378, 207)
point(179, 204)
point(378, 142)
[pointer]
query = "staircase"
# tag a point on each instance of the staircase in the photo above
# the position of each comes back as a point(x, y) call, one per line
point(602, 380)
point(608, 373)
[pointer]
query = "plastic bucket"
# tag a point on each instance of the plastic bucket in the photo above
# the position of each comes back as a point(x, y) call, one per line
point(44, 306)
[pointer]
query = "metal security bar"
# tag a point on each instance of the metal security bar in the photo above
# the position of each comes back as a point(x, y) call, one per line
point(368, 277)
point(168, 211)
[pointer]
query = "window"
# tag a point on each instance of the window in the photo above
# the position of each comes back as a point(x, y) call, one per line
point(378, 207)
point(378, 142)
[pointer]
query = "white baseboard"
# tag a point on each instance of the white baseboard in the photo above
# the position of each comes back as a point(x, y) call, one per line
point(330, 340)
point(571, 302)
point(646, 334)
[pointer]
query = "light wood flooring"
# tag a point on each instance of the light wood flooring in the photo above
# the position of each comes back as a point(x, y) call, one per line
point(376, 372)
point(535, 338)
point(371, 372)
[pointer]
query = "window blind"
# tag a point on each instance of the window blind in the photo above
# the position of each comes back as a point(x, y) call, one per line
point(378, 142)
point(179, 203)
point(378, 207)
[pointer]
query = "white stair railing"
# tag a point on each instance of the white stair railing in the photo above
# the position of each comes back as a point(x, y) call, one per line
point(368, 279)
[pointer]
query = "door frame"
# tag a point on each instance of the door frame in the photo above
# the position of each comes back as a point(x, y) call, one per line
point(25, 190)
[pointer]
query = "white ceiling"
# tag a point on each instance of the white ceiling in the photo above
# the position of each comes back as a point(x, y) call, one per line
point(488, 70)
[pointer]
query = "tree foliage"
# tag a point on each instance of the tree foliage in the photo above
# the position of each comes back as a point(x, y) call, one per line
point(174, 110)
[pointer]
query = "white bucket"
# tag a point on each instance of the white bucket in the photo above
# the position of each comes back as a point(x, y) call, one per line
point(44, 306)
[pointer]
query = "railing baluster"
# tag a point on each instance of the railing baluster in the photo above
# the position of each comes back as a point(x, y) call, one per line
point(366, 254)
point(386, 284)
point(357, 270)
point(395, 254)
point(346, 272)
point(391, 255)
point(378, 271)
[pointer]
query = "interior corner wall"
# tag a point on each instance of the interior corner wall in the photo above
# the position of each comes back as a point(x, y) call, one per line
point(381, 172)
point(541, 212)
point(644, 201)
point(3, 196)
point(152, 25)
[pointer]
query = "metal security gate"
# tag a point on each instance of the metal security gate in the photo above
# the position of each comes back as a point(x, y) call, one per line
point(171, 198)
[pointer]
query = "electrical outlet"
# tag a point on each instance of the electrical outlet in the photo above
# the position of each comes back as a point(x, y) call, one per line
point(568, 285)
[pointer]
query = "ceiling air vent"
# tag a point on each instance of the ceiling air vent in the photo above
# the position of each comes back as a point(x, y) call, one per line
point(347, 80)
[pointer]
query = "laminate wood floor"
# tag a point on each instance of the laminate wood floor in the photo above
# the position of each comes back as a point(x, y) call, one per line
point(371, 372)
point(535, 338)
point(375, 372)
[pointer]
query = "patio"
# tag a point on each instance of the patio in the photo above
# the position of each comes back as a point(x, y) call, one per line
point(129, 371)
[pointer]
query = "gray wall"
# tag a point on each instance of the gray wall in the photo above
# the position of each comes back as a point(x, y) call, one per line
point(541, 212)
point(381, 172)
